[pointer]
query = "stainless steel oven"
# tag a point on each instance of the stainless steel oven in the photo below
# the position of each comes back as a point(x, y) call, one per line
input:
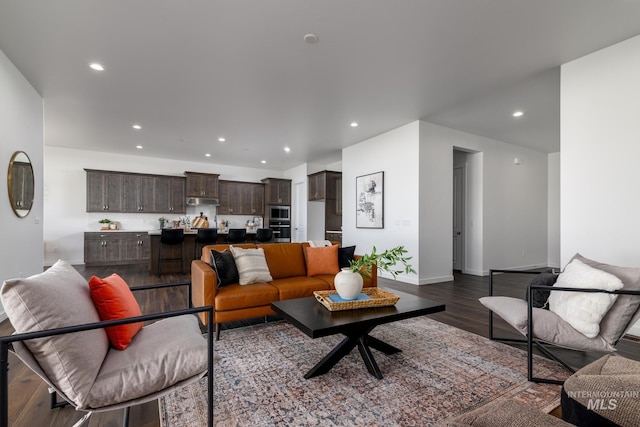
point(281, 231)
point(279, 213)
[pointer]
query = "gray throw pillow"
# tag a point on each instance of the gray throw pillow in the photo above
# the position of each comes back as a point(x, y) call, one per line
point(345, 256)
point(541, 296)
point(225, 267)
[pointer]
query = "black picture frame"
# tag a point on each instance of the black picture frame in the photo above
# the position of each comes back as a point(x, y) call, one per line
point(370, 200)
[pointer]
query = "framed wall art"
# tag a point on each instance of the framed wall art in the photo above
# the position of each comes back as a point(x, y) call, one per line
point(370, 200)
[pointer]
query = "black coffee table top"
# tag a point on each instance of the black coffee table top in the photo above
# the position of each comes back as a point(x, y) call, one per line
point(315, 320)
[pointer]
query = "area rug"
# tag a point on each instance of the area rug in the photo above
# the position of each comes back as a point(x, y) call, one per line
point(441, 372)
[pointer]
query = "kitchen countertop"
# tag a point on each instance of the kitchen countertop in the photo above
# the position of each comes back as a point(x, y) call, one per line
point(193, 231)
point(119, 231)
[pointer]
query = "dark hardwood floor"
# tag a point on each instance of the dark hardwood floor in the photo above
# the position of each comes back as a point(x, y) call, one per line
point(28, 396)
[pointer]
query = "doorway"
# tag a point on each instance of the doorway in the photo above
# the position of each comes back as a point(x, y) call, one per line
point(458, 223)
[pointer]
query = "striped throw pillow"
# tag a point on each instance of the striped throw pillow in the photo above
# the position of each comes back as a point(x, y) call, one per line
point(251, 264)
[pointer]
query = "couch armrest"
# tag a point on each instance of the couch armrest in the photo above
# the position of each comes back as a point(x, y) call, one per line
point(203, 285)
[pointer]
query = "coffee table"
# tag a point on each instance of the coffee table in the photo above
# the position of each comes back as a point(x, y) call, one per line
point(316, 321)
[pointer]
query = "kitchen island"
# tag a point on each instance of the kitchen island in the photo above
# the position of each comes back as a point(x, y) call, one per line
point(174, 251)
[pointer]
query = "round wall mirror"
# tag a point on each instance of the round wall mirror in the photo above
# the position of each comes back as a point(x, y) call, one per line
point(20, 183)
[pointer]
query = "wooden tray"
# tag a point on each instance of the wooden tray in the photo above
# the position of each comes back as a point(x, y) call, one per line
point(379, 298)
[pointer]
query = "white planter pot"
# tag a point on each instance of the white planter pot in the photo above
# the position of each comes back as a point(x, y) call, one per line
point(348, 284)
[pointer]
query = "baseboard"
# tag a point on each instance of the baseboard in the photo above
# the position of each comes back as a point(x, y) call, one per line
point(475, 272)
point(433, 280)
point(635, 330)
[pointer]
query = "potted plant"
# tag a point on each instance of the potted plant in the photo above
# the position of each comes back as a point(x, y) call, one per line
point(348, 282)
point(105, 223)
point(162, 221)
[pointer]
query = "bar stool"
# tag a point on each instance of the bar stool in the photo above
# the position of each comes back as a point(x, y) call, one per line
point(237, 235)
point(264, 235)
point(205, 236)
point(171, 237)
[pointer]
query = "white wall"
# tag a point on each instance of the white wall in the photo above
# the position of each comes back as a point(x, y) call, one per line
point(396, 154)
point(66, 219)
point(506, 219)
point(21, 129)
point(553, 211)
point(600, 145)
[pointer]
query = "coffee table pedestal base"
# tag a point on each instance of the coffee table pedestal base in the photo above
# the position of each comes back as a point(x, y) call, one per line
point(364, 343)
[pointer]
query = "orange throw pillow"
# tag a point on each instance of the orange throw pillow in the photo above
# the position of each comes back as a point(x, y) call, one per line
point(322, 260)
point(114, 300)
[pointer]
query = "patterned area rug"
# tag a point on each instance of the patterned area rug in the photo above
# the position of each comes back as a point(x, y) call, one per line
point(442, 371)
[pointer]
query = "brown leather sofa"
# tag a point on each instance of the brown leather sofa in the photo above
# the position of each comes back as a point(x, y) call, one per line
point(287, 266)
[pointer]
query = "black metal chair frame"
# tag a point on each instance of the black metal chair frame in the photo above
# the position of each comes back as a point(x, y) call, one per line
point(181, 243)
point(530, 341)
point(6, 342)
point(204, 241)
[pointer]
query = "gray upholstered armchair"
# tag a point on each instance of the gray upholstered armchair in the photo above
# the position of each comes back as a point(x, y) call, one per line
point(591, 306)
point(60, 337)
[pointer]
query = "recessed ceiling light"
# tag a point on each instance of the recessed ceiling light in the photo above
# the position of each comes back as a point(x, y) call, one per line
point(354, 124)
point(139, 147)
point(207, 155)
point(221, 139)
point(263, 161)
point(95, 66)
point(287, 149)
point(137, 127)
point(311, 38)
point(518, 114)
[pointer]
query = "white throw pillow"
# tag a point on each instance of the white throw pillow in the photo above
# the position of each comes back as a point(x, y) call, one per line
point(251, 264)
point(584, 310)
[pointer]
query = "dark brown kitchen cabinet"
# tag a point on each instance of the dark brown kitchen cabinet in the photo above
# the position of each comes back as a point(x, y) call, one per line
point(252, 202)
point(109, 191)
point(202, 184)
point(104, 191)
point(136, 247)
point(241, 198)
point(170, 195)
point(277, 191)
point(230, 198)
point(139, 193)
point(324, 185)
point(102, 248)
point(116, 248)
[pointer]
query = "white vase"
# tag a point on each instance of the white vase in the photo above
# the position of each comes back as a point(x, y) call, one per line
point(348, 284)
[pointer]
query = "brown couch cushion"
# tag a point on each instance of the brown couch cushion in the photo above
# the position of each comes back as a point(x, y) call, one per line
point(284, 259)
point(299, 287)
point(236, 296)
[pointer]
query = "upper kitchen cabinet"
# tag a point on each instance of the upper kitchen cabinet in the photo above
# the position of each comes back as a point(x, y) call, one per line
point(104, 191)
point(241, 198)
point(252, 198)
point(202, 184)
point(170, 194)
point(277, 191)
point(325, 185)
point(138, 193)
point(109, 191)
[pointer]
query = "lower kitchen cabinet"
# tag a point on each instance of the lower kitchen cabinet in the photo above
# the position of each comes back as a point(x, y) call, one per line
point(116, 248)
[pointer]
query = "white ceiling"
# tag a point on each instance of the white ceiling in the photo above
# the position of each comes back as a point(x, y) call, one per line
point(190, 71)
